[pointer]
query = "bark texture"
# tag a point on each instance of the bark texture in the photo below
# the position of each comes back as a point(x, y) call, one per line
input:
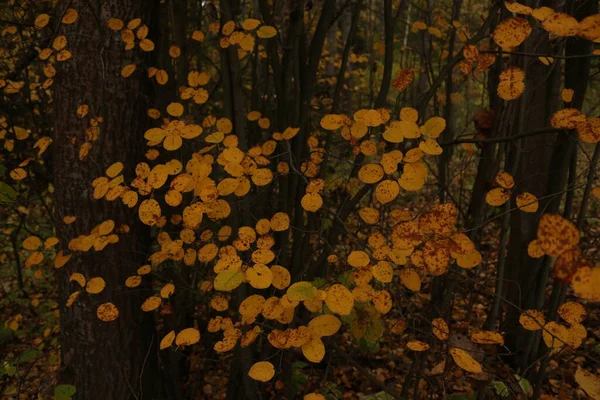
point(103, 360)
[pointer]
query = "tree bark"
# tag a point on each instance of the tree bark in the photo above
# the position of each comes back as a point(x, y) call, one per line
point(103, 360)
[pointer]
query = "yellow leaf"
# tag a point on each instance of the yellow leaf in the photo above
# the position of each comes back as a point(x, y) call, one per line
point(259, 276)
point(465, 361)
point(410, 279)
point(151, 303)
point(324, 325)
point(433, 127)
point(339, 299)
point(187, 337)
point(77, 277)
point(162, 77)
point(95, 285)
point(511, 84)
point(567, 94)
point(107, 312)
point(469, 260)
point(527, 202)
point(128, 70)
point(31, 243)
point(370, 173)
point(146, 45)
point(262, 371)
point(497, 197)
point(250, 24)
point(589, 382)
point(70, 16)
point(266, 32)
point(18, 174)
point(555, 234)
point(34, 259)
point(133, 281)
point(572, 312)
point(114, 170)
point(314, 351)
point(312, 202)
point(149, 212)
point(511, 32)
point(332, 122)
point(440, 329)
point(115, 24)
point(175, 109)
point(167, 290)
point(487, 337)
point(561, 24)
point(585, 283)
point(41, 21)
point(167, 340)
point(417, 345)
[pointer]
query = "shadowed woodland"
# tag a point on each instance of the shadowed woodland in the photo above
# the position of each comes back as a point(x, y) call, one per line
point(299, 199)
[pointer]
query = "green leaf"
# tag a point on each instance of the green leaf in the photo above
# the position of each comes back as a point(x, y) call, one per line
point(377, 396)
point(2, 169)
point(228, 280)
point(301, 291)
point(28, 355)
point(64, 391)
point(500, 388)
point(7, 194)
point(525, 385)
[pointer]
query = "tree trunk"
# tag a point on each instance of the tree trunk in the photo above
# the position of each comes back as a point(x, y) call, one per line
point(103, 360)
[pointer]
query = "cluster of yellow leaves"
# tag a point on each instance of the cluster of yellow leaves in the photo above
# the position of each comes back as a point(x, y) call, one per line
point(588, 129)
point(414, 172)
point(244, 38)
point(499, 195)
point(134, 29)
point(33, 244)
point(513, 31)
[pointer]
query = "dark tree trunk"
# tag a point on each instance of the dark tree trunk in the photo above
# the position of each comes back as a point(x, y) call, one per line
point(103, 360)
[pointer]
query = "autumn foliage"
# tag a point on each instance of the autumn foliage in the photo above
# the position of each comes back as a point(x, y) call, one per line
point(299, 200)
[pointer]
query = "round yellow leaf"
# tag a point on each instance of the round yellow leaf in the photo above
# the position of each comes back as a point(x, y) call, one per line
point(324, 325)
point(511, 32)
point(107, 312)
point(527, 202)
point(262, 371)
point(497, 197)
point(312, 202)
point(339, 299)
point(358, 259)
point(31, 243)
point(175, 109)
point(259, 276)
point(266, 32)
point(370, 173)
point(314, 351)
point(187, 337)
point(95, 285)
